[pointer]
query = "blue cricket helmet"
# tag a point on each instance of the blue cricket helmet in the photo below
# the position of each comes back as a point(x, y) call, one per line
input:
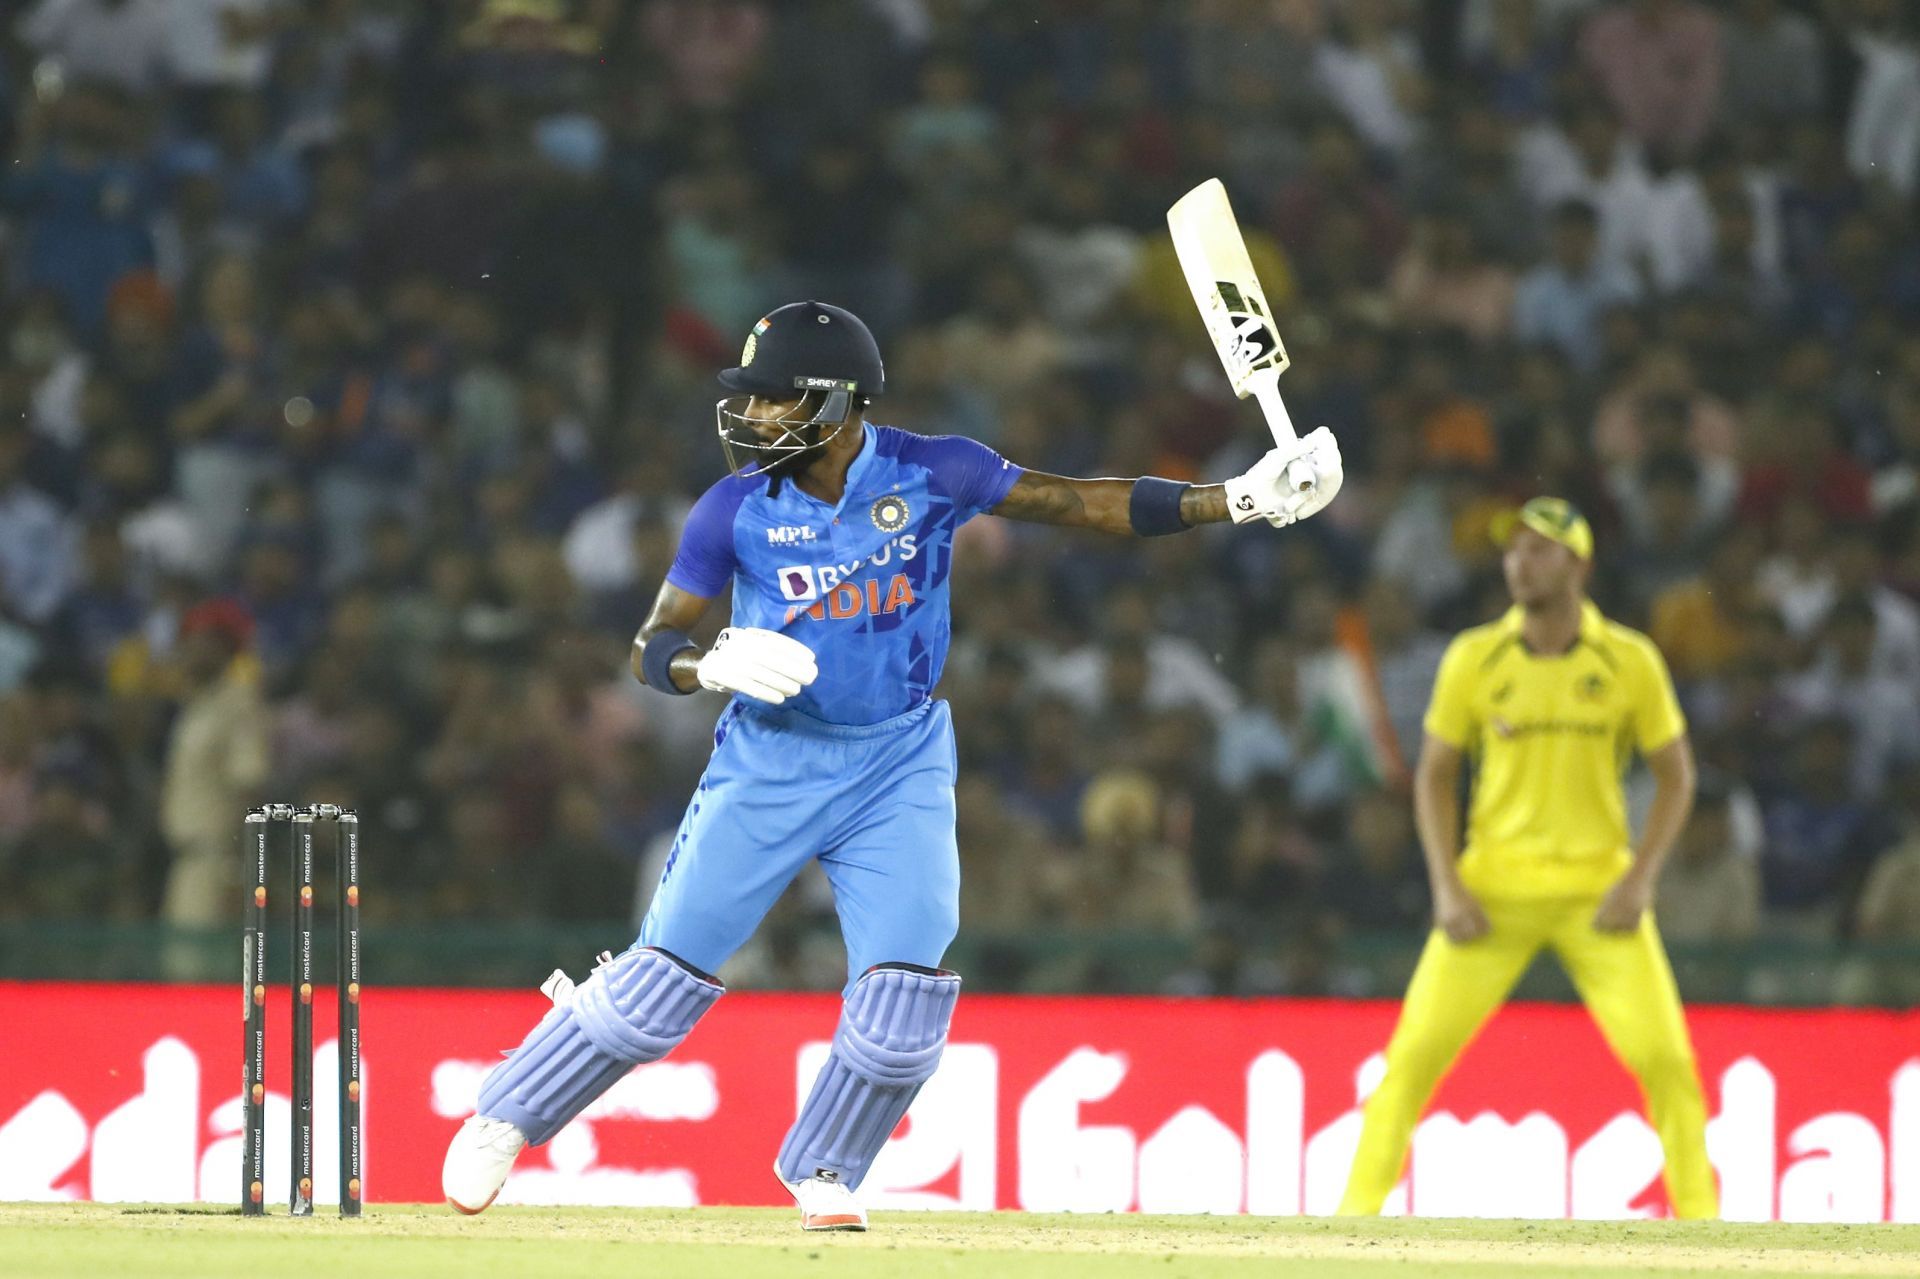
point(808, 346)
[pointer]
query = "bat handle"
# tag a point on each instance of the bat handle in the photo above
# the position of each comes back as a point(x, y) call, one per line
point(1266, 389)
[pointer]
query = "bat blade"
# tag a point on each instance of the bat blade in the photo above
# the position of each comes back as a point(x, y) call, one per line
point(1213, 256)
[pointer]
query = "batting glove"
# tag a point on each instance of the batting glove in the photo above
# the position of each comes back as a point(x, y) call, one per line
point(764, 665)
point(1271, 489)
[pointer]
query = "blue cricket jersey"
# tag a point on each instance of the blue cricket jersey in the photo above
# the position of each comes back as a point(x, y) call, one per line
point(864, 583)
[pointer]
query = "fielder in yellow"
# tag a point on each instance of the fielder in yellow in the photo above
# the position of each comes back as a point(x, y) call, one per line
point(1550, 702)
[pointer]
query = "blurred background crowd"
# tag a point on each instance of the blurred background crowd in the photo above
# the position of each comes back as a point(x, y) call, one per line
point(358, 371)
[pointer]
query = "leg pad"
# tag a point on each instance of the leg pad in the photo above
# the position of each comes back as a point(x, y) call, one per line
point(891, 1034)
point(633, 1010)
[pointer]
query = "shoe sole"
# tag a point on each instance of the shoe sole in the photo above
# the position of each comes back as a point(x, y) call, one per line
point(457, 1206)
point(837, 1221)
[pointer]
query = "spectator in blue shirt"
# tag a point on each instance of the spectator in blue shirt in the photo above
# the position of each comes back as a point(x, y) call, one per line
point(1560, 302)
point(84, 202)
point(1820, 838)
point(36, 539)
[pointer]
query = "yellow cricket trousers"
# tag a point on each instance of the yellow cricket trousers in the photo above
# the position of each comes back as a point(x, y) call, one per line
point(1627, 986)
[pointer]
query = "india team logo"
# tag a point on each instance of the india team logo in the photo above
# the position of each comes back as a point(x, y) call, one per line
point(752, 347)
point(890, 514)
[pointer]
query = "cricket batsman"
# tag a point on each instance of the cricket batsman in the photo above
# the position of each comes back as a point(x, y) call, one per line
point(836, 536)
point(1549, 702)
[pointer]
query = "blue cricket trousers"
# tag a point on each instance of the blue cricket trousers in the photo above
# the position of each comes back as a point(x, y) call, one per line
point(873, 802)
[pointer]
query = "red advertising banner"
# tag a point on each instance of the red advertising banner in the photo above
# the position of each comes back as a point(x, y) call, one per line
point(132, 1092)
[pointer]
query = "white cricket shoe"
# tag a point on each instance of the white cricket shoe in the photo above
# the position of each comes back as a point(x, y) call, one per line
point(479, 1158)
point(825, 1202)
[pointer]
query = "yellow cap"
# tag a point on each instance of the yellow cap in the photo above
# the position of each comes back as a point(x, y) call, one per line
point(1553, 518)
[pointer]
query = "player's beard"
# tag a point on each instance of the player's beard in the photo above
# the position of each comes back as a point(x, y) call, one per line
point(795, 464)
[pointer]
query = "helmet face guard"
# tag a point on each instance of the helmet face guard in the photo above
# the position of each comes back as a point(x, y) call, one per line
point(825, 407)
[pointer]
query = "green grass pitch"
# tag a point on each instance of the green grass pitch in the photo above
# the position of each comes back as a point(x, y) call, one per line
point(45, 1241)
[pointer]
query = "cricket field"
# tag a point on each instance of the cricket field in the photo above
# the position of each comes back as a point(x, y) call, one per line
point(412, 1241)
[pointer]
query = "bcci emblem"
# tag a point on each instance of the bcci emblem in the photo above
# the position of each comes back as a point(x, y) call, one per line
point(752, 347)
point(890, 514)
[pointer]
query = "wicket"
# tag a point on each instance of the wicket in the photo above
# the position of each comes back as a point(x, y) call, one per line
point(299, 821)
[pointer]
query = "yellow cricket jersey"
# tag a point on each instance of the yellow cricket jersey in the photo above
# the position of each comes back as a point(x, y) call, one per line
point(1549, 737)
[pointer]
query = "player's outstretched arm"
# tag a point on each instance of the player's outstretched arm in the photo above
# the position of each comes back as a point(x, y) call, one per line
point(1101, 505)
point(674, 612)
point(1151, 506)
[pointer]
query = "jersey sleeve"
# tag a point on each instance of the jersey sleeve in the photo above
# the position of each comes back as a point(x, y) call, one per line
point(1450, 712)
point(974, 475)
point(1657, 719)
point(707, 559)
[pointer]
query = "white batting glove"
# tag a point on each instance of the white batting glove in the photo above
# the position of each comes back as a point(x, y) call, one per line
point(1267, 492)
point(764, 665)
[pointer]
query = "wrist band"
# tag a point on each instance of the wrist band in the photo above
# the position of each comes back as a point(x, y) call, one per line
point(1154, 506)
point(656, 660)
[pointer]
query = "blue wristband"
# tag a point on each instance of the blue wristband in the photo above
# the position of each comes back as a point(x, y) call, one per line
point(656, 660)
point(1154, 506)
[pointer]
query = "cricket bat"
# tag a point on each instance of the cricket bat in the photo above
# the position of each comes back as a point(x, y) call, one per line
point(1213, 256)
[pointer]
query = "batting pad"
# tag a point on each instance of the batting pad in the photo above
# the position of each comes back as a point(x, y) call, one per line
point(635, 1009)
point(892, 1030)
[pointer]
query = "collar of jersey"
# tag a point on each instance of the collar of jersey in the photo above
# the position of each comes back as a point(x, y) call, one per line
point(1590, 620)
point(863, 464)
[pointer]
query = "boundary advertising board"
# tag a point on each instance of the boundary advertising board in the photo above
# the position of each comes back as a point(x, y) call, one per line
point(132, 1093)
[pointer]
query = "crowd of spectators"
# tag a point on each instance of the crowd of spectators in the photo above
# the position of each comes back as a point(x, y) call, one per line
point(358, 372)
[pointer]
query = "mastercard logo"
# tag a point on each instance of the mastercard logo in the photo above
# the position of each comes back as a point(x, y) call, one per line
point(353, 1090)
point(260, 895)
point(353, 894)
point(255, 1191)
point(259, 1093)
point(353, 992)
point(353, 1187)
point(260, 995)
point(306, 1186)
point(306, 894)
point(306, 993)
